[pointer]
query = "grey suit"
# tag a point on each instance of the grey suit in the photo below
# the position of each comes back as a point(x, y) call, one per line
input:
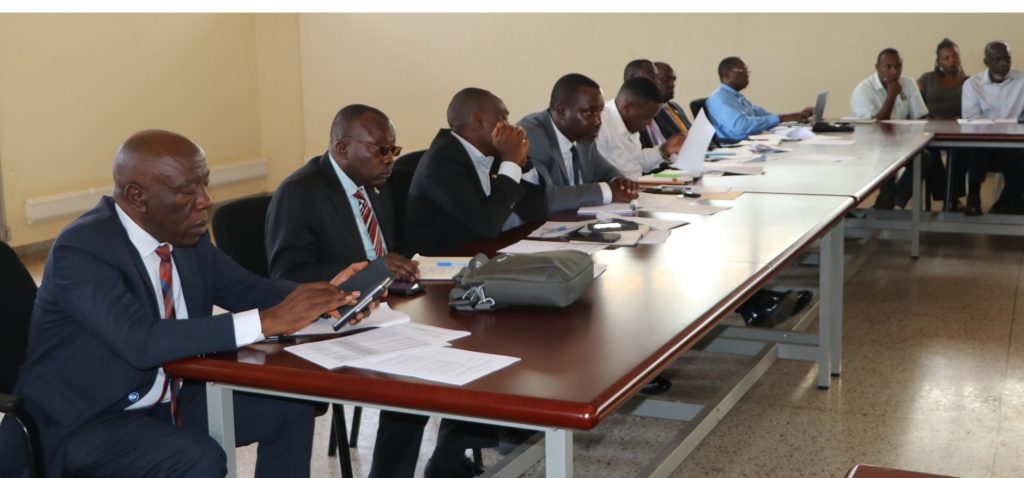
point(547, 158)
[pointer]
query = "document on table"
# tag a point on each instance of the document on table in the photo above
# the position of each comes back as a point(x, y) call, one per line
point(382, 316)
point(828, 158)
point(658, 224)
point(399, 339)
point(556, 229)
point(653, 237)
point(744, 169)
point(668, 176)
point(441, 364)
point(986, 121)
point(699, 207)
point(527, 246)
point(599, 269)
point(905, 121)
point(440, 268)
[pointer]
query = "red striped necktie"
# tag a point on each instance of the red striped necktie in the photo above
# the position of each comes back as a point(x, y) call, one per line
point(167, 289)
point(370, 220)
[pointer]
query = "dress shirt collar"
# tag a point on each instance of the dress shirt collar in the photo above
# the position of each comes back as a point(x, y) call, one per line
point(876, 82)
point(729, 89)
point(616, 119)
point(1012, 75)
point(142, 240)
point(347, 183)
point(564, 145)
point(474, 154)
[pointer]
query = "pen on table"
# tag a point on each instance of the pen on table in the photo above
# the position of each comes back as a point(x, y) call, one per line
point(444, 264)
point(634, 206)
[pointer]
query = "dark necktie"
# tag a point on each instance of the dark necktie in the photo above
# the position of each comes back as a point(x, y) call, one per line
point(167, 290)
point(370, 220)
point(577, 176)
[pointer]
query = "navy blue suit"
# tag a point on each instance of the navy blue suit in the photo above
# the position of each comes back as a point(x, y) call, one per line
point(96, 340)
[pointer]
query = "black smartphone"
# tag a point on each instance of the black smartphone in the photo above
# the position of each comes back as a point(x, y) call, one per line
point(371, 283)
point(405, 288)
point(613, 226)
point(590, 236)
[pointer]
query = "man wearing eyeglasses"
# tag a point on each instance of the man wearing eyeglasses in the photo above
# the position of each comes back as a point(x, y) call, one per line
point(732, 114)
point(337, 210)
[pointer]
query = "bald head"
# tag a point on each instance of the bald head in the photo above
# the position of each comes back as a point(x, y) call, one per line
point(474, 113)
point(160, 181)
point(467, 102)
point(640, 68)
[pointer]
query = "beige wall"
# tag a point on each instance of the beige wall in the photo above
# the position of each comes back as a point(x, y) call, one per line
point(410, 65)
point(73, 86)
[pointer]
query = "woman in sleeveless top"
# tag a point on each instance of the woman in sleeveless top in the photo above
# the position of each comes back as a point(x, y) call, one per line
point(941, 89)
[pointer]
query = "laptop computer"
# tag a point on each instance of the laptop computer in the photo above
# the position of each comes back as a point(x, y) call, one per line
point(822, 126)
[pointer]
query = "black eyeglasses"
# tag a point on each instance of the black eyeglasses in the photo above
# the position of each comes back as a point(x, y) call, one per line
point(381, 150)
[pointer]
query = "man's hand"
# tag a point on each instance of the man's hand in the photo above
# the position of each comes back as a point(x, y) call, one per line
point(807, 112)
point(402, 268)
point(894, 88)
point(623, 189)
point(672, 145)
point(511, 143)
point(303, 306)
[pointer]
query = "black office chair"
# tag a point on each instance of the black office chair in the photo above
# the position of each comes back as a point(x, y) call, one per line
point(695, 107)
point(401, 179)
point(19, 449)
point(238, 228)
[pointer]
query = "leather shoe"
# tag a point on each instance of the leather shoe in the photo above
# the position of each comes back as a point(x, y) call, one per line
point(659, 385)
point(973, 207)
point(802, 299)
point(768, 308)
point(463, 469)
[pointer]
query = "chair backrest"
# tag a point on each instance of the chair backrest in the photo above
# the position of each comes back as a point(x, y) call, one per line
point(238, 230)
point(17, 294)
point(696, 105)
point(401, 179)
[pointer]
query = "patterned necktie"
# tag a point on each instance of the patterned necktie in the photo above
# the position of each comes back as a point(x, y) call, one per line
point(370, 220)
point(167, 289)
point(676, 119)
point(577, 176)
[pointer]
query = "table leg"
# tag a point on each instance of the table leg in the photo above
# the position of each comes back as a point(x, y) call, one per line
point(558, 453)
point(220, 413)
point(825, 278)
point(836, 310)
point(915, 209)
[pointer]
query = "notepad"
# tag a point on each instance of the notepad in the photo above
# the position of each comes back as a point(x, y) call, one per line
point(440, 268)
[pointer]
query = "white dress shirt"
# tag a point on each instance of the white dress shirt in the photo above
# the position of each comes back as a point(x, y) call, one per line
point(870, 94)
point(622, 148)
point(983, 99)
point(247, 324)
point(350, 188)
point(482, 164)
point(565, 146)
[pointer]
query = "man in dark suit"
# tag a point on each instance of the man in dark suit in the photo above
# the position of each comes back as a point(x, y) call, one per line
point(671, 120)
point(473, 182)
point(93, 379)
point(563, 152)
point(316, 224)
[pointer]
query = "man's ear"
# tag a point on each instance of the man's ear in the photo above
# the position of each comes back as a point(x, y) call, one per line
point(135, 197)
point(340, 149)
point(559, 111)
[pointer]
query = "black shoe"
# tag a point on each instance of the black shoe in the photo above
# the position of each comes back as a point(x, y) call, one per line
point(464, 469)
point(768, 308)
point(659, 385)
point(973, 207)
point(802, 299)
point(510, 439)
point(884, 201)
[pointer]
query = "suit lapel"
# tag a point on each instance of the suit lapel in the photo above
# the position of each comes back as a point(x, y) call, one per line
point(188, 274)
point(140, 269)
point(451, 146)
point(339, 201)
point(556, 150)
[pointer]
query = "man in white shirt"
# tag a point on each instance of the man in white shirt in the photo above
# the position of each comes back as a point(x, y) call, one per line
point(884, 95)
point(633, 109)
point(996, 93)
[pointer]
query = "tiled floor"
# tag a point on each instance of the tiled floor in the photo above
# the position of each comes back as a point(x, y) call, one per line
point(933, 380)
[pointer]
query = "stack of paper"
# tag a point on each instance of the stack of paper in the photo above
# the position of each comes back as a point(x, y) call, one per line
point(409, 349)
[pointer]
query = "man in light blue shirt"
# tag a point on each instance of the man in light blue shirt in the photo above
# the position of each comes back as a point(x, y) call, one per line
point(732, 114)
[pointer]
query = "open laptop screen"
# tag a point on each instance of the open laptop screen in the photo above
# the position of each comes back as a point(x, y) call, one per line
point(819, 107)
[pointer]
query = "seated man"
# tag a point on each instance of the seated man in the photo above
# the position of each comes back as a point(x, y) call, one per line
point(633, 109)
point(472, 182)
point(886, 94)
point(129, 286)
point(335, 211)
point(563, 152)
point(996, 93)
point(732, 114)
point(671, 120)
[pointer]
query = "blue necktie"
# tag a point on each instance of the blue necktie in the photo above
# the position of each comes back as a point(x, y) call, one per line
point(577, 176)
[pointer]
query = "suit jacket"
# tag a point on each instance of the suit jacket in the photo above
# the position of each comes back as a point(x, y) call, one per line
point(546, 156)
point(311, 231)
point(447, 207)
point(665, 123)
point(96, 337)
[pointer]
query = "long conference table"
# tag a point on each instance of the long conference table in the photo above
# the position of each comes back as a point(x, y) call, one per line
point(583, 363)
